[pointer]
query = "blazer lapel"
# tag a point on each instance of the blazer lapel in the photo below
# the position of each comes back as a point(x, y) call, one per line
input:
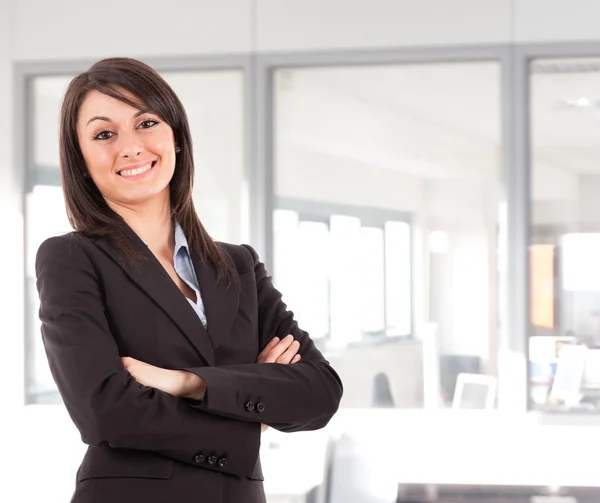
point(152, 278)
point(220, 302)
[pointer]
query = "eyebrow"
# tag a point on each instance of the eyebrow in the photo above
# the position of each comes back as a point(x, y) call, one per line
point(106, 119)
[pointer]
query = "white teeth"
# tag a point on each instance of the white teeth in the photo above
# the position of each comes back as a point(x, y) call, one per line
point(137, 171)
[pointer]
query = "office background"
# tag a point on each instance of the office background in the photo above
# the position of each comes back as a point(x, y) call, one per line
point(453, 144)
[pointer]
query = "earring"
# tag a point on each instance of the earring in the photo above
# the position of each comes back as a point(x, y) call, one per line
point(177, 150)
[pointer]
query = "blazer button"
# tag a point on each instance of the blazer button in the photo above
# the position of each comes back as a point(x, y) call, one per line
point(199, 458)
point(212, 459)
point(260, 407)
point(249, 406)
point(223, 462)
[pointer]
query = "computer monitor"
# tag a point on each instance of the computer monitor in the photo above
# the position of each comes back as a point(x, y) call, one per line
point(474, 391)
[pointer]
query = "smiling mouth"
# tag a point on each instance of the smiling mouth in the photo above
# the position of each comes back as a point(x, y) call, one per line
point(137, 171)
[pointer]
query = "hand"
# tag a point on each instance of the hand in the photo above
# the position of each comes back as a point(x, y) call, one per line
point(279, 351)
point(174, 382)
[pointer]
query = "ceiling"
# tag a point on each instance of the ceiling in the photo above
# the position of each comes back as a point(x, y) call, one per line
point(440, 119)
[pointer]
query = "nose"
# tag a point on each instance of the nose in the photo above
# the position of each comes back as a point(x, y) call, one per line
point(131, 146)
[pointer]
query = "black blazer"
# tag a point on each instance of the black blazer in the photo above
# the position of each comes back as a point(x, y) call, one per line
point(147, 445)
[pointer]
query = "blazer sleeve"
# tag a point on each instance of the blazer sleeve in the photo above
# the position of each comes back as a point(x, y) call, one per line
point(103, 399)
point(302, 396)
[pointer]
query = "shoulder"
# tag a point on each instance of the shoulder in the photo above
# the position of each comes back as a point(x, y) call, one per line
point(71, 242)
point(63, 249)
point(243, 256)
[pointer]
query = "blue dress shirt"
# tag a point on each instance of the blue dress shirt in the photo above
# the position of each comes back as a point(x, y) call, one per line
point(184, 267)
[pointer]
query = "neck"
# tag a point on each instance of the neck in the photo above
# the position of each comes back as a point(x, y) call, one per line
point(152, 222)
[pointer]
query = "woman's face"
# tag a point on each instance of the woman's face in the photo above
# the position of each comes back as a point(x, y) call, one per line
point(129, 153)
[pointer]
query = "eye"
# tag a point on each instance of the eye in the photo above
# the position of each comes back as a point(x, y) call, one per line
point(151, 122)
point(107, 135)
point(102, 135)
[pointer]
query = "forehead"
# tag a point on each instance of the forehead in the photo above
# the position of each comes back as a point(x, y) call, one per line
point(97, 103)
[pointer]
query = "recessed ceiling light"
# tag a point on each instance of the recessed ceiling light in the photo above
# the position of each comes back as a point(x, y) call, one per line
point(582, 102)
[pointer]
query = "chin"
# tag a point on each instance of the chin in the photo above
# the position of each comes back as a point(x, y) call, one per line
point(147, 195)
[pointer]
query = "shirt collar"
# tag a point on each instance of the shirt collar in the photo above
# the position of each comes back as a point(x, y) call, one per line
point(180, 239)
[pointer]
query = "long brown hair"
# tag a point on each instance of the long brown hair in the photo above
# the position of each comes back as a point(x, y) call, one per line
point(88, 212)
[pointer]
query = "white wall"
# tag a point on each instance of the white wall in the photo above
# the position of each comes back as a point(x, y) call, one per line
point(153, 28)
point(335, 24)
point(11, 285)
point(589, 199)
point(555, 195)
point(561, 197)
point(550, 183)
point(555, 20)
point(71, 29)
point(11, 256)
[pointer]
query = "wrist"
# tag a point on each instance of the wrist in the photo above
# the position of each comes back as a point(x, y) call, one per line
point(194, 386)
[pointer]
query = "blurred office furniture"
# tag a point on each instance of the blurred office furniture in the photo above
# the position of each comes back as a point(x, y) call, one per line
point(566, 386)
point(284, 456)
point(459, 493)
point(382, 393)
point(544, 352)
point(564, 372)
point(475, 391)
point(591, 373)
point(357, 471)
point(400, 360)
point(544, 280)
point(453, 365)
point(322, 493)
point(432, 391)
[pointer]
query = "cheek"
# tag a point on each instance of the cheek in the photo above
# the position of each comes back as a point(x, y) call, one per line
point(98, 160)
point(162, 142)
point(164, 147)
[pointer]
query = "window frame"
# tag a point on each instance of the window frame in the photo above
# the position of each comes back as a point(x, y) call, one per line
point(317, 211)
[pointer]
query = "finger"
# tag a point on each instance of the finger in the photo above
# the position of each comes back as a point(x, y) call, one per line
point(263, 354)
point(296, 359)
point(278, 350)
point(287, 356)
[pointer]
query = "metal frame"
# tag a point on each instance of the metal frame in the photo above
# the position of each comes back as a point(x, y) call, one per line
point(260, 140)
point(522, 56)
point(268, 63)
point(515, 397)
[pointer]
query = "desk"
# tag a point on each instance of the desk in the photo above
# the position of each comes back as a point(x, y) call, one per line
point(456, 447)
point(493, 494)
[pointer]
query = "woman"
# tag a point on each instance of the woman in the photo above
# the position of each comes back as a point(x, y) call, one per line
point(168, 349)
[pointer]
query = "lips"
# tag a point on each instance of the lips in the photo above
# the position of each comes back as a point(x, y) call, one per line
point(136, 169)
